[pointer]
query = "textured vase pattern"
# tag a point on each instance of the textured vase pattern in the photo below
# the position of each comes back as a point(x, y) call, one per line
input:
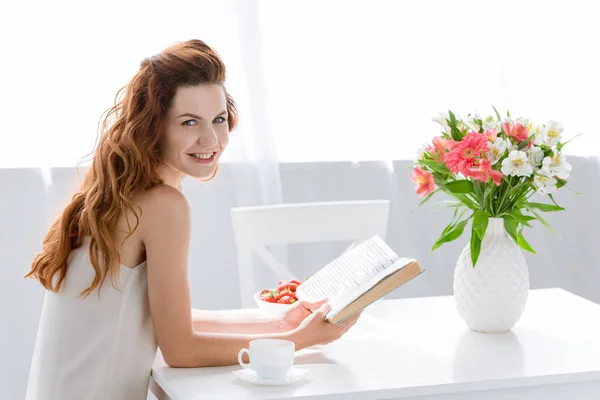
point(491, 297)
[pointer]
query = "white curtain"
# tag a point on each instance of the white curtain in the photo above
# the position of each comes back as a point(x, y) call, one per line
point(257, 161)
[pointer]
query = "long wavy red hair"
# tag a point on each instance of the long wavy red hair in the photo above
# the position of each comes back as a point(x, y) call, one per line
point(125, 162)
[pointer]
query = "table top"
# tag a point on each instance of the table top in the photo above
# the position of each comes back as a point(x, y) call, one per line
point(420, 346)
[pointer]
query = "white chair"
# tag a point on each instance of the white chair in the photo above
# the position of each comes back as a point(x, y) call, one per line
point(254, 228)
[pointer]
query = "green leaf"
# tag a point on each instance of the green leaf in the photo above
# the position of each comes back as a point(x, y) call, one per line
point(560, 183)
point(511, 225)
point(452, 124)
point(525, 142)
point(480, 223)
point(453, 216)
point(461, 186)
point(455, 133)
point(486, 194)
point(475, 245)
point(523, 243)
point(449, 203)
point(519, 217)
point(544, 207)
point(552, 198)
point(452, 118)
point(562, 144)
point(453, 222)
point(466, 201)
point(544, 222)
point(497, 113)
point(428, 197)
point(479, 123)
point(478, 191)
point(435, 166)
point(452, 234)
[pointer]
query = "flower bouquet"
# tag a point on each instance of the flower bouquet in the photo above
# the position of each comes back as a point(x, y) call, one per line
point(492, 167)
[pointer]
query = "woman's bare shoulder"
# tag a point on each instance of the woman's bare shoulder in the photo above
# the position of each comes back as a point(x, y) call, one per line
point(163, 196)
point(160, 205)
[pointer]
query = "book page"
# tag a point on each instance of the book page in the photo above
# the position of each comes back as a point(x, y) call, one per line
point(348, 272)
point(358, 291)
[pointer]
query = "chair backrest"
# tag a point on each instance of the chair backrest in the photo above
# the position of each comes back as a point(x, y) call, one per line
point(257, 227)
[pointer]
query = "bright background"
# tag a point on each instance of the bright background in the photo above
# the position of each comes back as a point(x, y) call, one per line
point(335, 98)
point(342, 80)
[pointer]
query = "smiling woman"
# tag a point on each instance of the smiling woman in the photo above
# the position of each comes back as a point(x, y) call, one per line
point(114, 264)
point(192, 137)
point(113, 228)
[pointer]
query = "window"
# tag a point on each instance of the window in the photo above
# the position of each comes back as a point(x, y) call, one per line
point(361, 80)
point(345, 80)
point(62, 69)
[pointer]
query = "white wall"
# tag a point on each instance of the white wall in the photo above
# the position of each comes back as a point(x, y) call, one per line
point(28, 202)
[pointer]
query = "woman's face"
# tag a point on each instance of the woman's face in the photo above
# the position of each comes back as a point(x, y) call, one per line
point(195, 131)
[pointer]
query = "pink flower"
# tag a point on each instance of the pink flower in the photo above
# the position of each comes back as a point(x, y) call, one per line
point(491, 134)
point(450, 144)
point(424, 181)
point(496, 177)
point(518, 131)
point(438, 149)
point(485, 172)
point(463, 155)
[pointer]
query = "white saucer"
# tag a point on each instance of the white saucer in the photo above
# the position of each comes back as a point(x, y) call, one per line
point(249, 375)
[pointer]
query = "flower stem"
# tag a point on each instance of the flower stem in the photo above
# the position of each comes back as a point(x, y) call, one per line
point(505, 190)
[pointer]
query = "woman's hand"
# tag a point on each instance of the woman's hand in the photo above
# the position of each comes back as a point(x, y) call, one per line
point(297, 313)
point(314, 330)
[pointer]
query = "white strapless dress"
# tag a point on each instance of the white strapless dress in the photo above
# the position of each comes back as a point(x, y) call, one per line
point(96, 348)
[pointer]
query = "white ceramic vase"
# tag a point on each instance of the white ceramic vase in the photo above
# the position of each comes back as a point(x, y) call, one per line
point(491, 297)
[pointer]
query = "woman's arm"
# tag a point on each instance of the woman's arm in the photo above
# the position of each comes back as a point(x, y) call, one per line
point(165, 231)
point(234, 321)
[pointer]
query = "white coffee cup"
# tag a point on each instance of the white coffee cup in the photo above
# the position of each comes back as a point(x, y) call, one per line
point(269, 358)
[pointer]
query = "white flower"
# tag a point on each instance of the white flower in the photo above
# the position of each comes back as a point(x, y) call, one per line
point(472, 124)
point(490, 123)
point(516, 164)
point(420, 152)
point(552, 133)
point(441, 119)
point(556, 165)
point(544, 183)
point(536, 155)
point(512, 146)
point(497, 149)
point(548, 135)
point(525, 122)
point(540, 136)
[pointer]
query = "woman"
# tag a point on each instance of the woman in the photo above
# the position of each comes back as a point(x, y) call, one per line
point(115, 262)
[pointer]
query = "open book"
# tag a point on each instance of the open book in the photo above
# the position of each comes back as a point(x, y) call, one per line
point(358, 277)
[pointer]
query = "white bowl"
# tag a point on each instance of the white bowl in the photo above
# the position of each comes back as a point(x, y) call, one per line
point(271, 308)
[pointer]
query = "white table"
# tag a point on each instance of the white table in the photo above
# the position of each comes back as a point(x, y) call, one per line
point(420, 348)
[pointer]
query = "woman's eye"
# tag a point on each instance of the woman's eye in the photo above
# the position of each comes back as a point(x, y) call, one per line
point(189, 120)
point(220, 119)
